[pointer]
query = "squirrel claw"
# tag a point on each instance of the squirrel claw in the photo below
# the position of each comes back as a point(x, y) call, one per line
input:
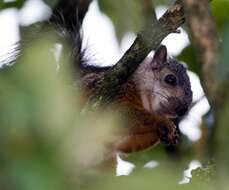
point(176, 137)
point(163, 134)
point(168, 136)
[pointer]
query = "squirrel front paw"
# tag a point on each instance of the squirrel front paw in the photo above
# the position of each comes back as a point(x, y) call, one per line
point(168, 134)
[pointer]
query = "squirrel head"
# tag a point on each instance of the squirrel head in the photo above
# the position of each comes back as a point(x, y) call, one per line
point(163, 85)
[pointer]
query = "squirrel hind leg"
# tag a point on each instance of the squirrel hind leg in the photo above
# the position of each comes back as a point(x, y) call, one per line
point(168, 133)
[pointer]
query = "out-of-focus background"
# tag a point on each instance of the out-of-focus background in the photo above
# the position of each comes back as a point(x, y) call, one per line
point(45, 142)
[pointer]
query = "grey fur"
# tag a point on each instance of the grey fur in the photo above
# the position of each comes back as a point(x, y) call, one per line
point(183, 79)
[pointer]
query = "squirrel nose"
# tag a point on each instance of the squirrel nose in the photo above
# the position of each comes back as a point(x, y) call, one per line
point(181, 110)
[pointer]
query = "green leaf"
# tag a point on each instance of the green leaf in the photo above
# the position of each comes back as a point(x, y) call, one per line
point(223, 68)
point(220, 10)
point(51, 3)
point(14, 4)
point(126, 15)
point(189, 57)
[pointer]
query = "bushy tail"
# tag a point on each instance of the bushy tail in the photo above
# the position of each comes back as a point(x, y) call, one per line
point(67, 18)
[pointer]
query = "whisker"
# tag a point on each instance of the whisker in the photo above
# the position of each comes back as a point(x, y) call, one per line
point(160, 94)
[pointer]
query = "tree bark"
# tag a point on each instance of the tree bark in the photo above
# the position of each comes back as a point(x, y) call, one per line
point(205, 39)
point(204, 36)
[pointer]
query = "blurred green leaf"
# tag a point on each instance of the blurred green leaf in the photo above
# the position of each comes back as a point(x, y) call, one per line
point(45, 142)
point(126, 15)
point(205, 174)
point(223, 67)
point(223, 130)
point(188, 56)
point(14, 4)
point(35, 107)
point(220, 145)
point(51, 3)
point(220, 10)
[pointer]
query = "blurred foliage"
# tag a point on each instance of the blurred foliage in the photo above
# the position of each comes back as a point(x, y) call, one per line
point(220, 9)
point(204, 174)
point(12, 4)
point(222, 141)
point(223, 69)
point(44, 138)
point(18, 4)
point(126, 15)
point(223, 76)
point(188, 56)
point(51, 3)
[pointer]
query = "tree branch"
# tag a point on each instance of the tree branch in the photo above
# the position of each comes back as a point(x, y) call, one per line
point(146, 40)
point(204, 35)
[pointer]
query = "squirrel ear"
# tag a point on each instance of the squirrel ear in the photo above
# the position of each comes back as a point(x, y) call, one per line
point(159, 57)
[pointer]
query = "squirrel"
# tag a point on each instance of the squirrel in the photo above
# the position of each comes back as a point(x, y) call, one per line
point(157, 92)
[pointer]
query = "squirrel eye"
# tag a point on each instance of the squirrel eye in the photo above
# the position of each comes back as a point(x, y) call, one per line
point(171, 79)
